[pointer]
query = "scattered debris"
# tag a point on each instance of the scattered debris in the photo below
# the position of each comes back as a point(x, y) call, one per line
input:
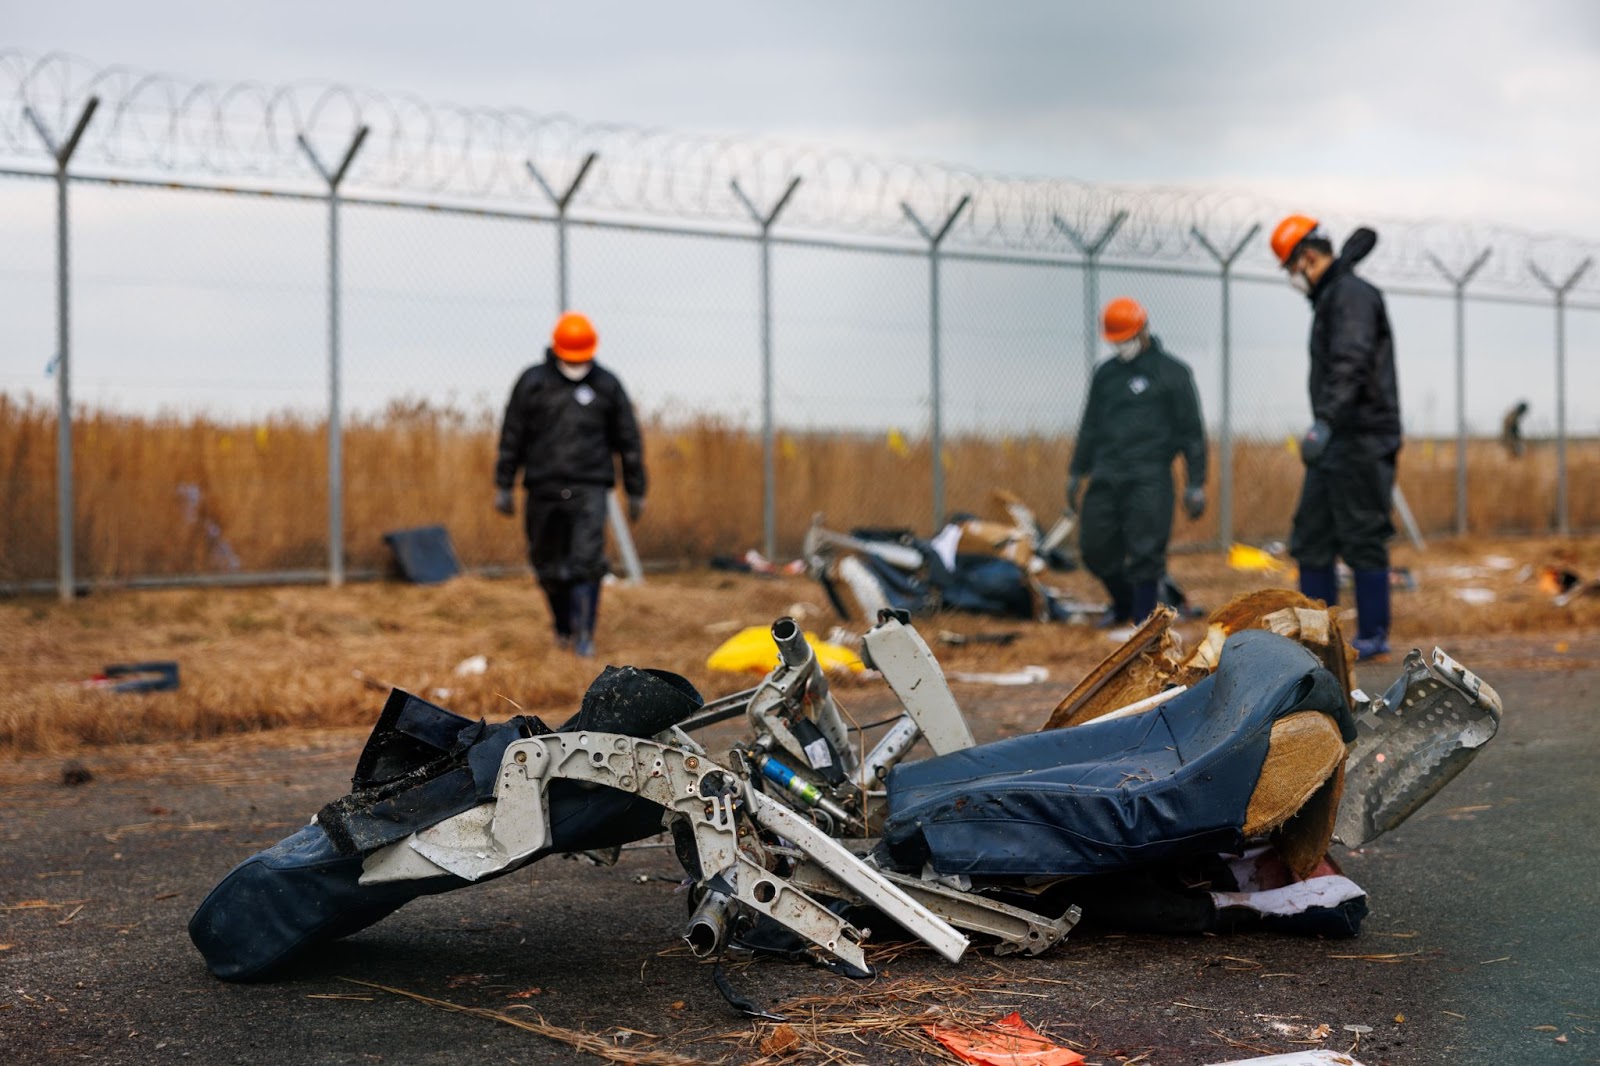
point(1319, 1057)
point(1475, 596)
point(472, 666)
point(753, 562)
point(957, 640)
point(1253, 560)
point(753, 650)
point(74, 773)
point(1028, 675)
point(125, 678)
point(1010, 1041)
point(423, 555)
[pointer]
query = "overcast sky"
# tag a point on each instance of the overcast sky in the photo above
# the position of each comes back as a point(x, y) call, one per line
point(1471, 109)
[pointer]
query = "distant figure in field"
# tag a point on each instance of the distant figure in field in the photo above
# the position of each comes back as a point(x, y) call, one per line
point(1511, 430)
point(567, 424)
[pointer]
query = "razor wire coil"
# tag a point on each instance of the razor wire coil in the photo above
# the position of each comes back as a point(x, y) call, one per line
point(154, 124)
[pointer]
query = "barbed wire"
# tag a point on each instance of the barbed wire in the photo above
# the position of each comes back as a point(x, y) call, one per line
point(160, 125)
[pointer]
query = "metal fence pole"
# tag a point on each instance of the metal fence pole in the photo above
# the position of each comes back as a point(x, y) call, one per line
point(1090, 250)
point(1459, 283)
point(936, 398)
point(1225, 434)
point(562, 200)
point(769, 462)
point(1563, 523)
point(66, 584)
point(334, 178)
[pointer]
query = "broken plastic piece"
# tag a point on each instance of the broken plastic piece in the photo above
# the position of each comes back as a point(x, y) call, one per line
point(1009, 1041)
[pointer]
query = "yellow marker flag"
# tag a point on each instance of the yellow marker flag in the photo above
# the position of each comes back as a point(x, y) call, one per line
point(897, 443)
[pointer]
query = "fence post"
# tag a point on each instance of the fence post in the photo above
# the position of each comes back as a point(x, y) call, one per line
point(769, 462)
point(334, 178)
point(562, 200)
point(1563, 523)
point(1459, 283)
point(1225, 439)
point(936, 399)
point(66, 584)
point(1090, 250)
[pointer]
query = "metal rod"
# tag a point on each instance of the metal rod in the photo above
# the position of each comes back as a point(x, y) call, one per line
point(1090, 250)
point(1458, 283)
point(936, 388)
point(562, 201)
point(1225, 433)
point(769, 460)
point(1563, 517)
point(66, 581)
point(334, 178)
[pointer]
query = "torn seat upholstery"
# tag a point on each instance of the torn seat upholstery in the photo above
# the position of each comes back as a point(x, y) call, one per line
point(1171, 782)
point(421, 765)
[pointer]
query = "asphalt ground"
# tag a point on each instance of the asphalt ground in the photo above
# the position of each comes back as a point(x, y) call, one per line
point(1482, 946)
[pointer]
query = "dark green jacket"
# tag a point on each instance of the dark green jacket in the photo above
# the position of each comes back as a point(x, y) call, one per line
point(1140, 414)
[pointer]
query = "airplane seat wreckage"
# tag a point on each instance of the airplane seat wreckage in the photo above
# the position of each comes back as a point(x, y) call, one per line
point(1231, 768)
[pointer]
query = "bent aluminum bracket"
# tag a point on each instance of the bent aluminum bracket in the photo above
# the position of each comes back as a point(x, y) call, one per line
point(899, 653)
point(1410, 742)
point(508, 832)
point(1015, 929)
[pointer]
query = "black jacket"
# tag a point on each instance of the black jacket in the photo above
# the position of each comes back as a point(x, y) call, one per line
point(565, 433)
point(1353, 387)
point(1141, 412)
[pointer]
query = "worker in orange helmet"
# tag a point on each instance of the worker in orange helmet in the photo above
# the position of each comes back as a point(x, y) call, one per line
point(1142, 411)
point(1354, 440)
point(567, 424)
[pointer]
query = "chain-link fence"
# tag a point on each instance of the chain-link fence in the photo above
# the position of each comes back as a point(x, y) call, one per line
point(288, 323)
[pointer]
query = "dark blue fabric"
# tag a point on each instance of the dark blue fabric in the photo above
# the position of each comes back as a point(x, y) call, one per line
point(1110, 795)
point(421, 765)
point(1372, 604)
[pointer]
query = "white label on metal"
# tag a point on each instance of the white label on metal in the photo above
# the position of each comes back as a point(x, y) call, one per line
point(817, 754)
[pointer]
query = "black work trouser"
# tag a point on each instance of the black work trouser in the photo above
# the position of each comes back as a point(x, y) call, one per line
point(1124, 527)
point(566, 530)
point(1345, 505)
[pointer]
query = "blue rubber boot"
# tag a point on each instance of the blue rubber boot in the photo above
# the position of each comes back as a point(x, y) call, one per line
point(585, 602)
point(1372, 614)
point(1144, 600)
point(1320, 583)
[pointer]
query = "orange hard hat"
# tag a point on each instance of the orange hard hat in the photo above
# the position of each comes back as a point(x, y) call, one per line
point(574, 339)
point(1288, 235)
point(1122, 320)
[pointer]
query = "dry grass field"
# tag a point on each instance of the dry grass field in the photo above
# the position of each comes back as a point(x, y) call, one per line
point(260, 659)
point(160, 495)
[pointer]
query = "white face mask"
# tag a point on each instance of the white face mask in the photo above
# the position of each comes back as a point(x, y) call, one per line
point(1301, 283)
point(573, 371)
point(1126, 350)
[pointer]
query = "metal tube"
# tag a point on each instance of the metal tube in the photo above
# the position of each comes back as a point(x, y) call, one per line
point(66, 582)
point(769, 451)
point(792, 646)
point(1225, 262)
point(335, 422)
point(1563, 517)
point(936, 391)
point(769, 462)
point(1458, 284)
point(708, 925)
point(1563, 524)
point(334, 178)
